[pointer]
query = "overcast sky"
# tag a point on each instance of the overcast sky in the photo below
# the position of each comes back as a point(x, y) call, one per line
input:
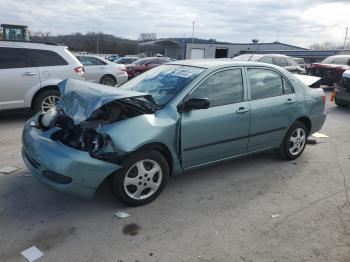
point(298, 22)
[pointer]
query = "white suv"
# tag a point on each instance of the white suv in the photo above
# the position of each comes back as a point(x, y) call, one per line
point(30, 72)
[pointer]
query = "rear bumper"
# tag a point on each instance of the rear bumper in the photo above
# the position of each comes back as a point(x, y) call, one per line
point(317, 121)
point(70, 170)
point(342, 94)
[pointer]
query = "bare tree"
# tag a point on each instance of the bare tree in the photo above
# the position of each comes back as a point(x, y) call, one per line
point(147, 37)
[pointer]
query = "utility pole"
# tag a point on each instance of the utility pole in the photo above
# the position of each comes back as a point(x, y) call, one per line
point(192, 31)
point(97, 45)
point(346, 37)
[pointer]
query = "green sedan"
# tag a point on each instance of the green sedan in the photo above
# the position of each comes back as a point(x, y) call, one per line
point(176, 117)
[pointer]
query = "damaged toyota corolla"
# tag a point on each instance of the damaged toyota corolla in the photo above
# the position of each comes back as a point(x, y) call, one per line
point(173, 118)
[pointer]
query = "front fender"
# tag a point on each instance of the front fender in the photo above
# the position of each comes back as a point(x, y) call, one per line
point(130, 134)
point(32, 91)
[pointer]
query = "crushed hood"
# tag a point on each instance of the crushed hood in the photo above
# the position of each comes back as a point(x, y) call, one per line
point(79, 99)
point(308, 80)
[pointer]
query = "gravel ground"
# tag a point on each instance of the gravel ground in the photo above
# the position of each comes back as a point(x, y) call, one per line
point(257, 208)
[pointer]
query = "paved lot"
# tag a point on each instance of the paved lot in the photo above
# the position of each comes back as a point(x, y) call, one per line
point(221, 213)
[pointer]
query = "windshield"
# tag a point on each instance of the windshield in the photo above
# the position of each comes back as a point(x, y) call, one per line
point(163, 82)
point(247, 57)
point(141, 61)
point(340, 60)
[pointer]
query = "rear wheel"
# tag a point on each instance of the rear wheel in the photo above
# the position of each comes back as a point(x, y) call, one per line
point(108, 80)
point(294, 141)
point(142, 178)
point(46, 99)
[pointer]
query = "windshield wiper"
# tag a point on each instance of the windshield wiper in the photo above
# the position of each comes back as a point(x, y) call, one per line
point(150, 108)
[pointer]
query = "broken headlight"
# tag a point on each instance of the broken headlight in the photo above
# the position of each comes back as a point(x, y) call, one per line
point(91, 141)
point(46, 119)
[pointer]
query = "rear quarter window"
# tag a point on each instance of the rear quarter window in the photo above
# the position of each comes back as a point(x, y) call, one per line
point(45, 58)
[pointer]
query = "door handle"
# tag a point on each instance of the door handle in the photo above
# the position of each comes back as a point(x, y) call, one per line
point(29, 74)
point(242, 110)
point(290, 101)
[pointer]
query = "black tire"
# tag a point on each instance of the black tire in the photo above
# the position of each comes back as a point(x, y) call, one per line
point(108, 80)
point(284, 150)
point(42, 96)
point(340, 103)
point(117, 180)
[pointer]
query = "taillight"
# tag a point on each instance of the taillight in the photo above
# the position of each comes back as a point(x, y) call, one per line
point(324, 99)
point(79, 69)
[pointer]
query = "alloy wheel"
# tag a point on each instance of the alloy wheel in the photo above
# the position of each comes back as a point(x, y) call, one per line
point(48, 102)
point(143, 179)
point(297, 141)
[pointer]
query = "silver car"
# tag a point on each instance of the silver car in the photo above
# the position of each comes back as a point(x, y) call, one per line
point(102, 71)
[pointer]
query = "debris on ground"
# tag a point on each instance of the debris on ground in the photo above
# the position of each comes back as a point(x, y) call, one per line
point(121, 214)
point(159, 233)
point(25, 173)
point(32, 253)
point(275, 215)
point(319, 135)
point(8, 169)
point(311, 141)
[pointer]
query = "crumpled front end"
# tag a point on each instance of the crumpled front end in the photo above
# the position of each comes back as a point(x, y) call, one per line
point(64, 147)
point(61, 167)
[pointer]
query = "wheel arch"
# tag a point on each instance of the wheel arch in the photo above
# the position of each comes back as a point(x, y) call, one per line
point(306, 121)
point(163, 149)
point(38, 92)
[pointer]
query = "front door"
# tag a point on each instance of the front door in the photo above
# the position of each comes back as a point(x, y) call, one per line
point(273, 103)
point(16, 78)
point(221, 131)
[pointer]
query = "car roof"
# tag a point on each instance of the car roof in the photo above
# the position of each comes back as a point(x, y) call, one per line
point(345, 56)
point(218, 62)
point(33, 45)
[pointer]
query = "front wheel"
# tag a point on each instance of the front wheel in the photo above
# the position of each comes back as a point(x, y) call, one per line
point(294, 141)
point(45, 100)
point(142, 178)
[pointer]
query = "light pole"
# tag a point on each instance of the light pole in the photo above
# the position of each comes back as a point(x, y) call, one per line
point(346, 36)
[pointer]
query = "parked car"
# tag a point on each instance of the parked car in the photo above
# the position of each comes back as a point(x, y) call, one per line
point(276, 59)
point(173, 118)
point(125, 60)
point(144, 64)
point(300, 61)
point(100, 70)
point(30, 72)
point(330, 69)
point(112, 57)
point(342, 90)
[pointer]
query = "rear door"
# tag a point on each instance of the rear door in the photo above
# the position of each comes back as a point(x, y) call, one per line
point(49, 63)
point(16, 77)
point(221, 131)
point(273, 103)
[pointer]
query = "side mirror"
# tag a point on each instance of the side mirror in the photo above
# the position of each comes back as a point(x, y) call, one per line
point(195, 103)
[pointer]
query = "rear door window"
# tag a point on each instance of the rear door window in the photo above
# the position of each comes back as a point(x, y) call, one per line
point(12, 58)
point(45, 58)
point(264, 83)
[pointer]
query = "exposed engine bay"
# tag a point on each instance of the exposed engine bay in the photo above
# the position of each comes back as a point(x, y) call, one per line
point(84, 136)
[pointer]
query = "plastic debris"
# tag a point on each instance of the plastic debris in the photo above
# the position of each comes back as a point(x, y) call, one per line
point(311, 141)
point(121, 214)
point(275, 215)
point(32, 253)
point(319, 135)
point(8, 169)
